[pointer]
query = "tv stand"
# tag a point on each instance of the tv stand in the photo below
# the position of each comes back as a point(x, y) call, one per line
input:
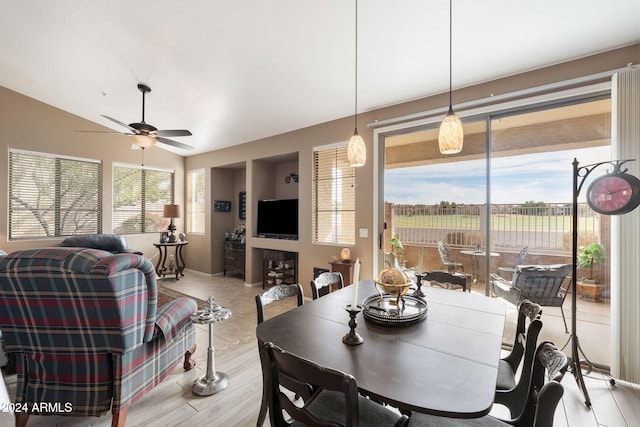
point(279, 268)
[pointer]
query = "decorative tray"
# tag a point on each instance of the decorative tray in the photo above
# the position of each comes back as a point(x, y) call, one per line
point(207, 316)
point(383, 310)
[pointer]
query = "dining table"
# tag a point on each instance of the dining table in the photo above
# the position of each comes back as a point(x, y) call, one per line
point(445, 364)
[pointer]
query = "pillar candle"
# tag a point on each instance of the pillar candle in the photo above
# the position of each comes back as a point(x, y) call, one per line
point(356, 278)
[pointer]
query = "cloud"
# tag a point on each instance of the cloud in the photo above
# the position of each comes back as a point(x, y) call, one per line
point(546, 177)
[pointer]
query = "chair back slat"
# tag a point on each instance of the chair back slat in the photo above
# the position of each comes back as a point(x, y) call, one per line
point(277, 293)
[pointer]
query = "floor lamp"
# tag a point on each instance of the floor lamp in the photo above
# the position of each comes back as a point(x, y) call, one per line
point(580, 174)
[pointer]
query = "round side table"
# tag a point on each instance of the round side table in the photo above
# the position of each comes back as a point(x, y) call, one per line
point(212, 382)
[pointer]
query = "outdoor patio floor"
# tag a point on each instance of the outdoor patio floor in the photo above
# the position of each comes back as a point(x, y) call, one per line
point(593, 326)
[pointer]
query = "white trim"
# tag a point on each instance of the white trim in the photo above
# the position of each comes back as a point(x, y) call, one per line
point(520, 95)
point(53, 156)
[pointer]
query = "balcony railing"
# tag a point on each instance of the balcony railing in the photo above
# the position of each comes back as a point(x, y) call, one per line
point(545, 229)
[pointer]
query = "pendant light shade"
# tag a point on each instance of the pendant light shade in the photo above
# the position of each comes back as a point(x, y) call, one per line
point(451, 135)
point(356, 150)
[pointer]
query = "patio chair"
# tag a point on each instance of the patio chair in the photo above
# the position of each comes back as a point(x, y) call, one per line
point(507, 272)
point(508, 392)
point(541, 284)
point(539, 401)
point(322, 285)
point(335, 401)
point(445, 256)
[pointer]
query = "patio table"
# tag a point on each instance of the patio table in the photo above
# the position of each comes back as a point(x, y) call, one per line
point(446, 364)
point(475, 255)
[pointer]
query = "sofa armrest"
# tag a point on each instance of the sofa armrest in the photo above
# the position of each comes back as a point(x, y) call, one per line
point(173, 315)
point(110, 266)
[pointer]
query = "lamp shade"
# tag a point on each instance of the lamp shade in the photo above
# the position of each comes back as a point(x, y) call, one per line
point(356, 151)
point(171, 211)
point(144, 141)
point(451, 135)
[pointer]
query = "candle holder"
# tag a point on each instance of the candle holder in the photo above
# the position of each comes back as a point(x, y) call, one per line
point(352, 338)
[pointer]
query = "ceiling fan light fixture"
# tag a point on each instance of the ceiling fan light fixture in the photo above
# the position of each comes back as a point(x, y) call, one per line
point(144, 141)
point(356, 151)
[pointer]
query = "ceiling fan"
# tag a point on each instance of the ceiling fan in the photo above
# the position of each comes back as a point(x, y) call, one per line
point(146, 135)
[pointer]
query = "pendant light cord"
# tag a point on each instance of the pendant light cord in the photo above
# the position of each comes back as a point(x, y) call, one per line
point(450, 49)
point(356, 74)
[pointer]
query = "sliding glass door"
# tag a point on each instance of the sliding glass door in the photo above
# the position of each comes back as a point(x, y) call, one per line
point(507, 194)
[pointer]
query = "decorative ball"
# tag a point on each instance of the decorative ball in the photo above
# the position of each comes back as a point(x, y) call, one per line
point(393, 276)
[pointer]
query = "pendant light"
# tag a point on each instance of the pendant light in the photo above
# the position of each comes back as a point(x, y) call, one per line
point(356, 150)
point(450, 136)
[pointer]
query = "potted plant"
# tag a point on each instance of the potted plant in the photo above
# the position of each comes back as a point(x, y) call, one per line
point(399, 249)
point(589, 287)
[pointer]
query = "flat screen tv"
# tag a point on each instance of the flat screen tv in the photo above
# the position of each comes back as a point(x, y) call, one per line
point(278, 219)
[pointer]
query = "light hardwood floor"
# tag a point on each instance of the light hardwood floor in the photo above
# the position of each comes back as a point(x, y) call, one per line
point(173, 404)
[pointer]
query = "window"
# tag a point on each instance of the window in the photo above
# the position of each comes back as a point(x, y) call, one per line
point(195, 201)
point(52, 195)
point(333, 196)
point(139, 195)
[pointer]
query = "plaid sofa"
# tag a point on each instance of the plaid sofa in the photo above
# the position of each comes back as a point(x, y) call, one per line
point(86, 329)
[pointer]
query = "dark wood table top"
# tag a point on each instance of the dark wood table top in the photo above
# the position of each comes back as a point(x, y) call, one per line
point(446, 364)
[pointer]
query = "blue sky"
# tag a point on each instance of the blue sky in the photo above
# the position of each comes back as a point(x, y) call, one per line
point(545, 177)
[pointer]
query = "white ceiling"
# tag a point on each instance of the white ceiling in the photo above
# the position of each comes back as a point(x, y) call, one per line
point(233, 71)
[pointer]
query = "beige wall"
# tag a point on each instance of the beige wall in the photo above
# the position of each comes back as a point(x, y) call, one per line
point(31, 125)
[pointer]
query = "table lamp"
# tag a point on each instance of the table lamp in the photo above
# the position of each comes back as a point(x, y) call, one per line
point(171, 211)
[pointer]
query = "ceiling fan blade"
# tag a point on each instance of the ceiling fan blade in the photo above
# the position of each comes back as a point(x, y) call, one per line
point(120, 123)
point(173, 143)
point(174, 132)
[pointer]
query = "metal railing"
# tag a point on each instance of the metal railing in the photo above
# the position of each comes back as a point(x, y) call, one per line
point(545, 229)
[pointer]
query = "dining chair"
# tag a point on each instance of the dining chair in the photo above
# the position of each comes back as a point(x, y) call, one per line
point(447, 279)
point(543, 392)
point(322, 285)
point(445, 256)
point(543, 284)
point(335, 401)
point(507, 272)
point(273, 294)
point(509, 392)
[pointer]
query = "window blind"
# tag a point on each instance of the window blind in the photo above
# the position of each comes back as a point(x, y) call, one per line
point(139, 195)
point(52, 195)
point(333, 204)
point(195, 201)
